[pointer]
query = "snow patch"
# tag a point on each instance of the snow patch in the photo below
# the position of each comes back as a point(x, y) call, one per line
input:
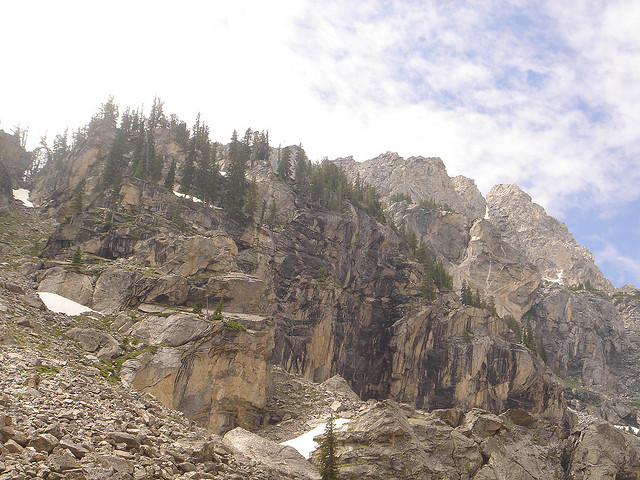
point(22, 194)
point(486, 212)
point(188, 197)
point(558, 278)
point(626, 428)
point(59, 304)
point(305, 443)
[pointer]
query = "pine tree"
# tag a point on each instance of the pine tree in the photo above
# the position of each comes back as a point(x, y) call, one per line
point(251, 205)
point(217, 313)
point(302, 173)
point(171, 176)
point(76, 260)
point(237, 165)
point(284, 165)
point(329, 468)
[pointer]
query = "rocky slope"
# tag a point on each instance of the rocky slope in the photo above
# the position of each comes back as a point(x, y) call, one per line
point(317, 290)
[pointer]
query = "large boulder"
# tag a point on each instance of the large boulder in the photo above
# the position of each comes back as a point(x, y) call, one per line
point(283, 461)
point(217, 374)
point(100, 343)
point(69, 284)
point(114, 289)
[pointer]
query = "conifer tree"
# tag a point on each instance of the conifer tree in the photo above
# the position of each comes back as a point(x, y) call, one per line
point(301, 171)
point(251, 204)
point(284, 165)
point(329, 468)
point(171, 176)
point(76, 260)
point(237, 165)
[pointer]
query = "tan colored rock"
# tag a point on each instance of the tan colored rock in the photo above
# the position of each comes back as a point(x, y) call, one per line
point(186, 256)
point(496, 269)
point(241, 292)
point(100, 343)
point(217, 377)
point(113, 289)
point(435, 367)
point(68, 284)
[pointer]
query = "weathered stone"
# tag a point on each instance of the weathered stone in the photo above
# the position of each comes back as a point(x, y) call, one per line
point(286, 461)
point(78, 450)
point(121, 437)
point(102, 344)
point(217, 377)
point(44, 442)
point(63, 461)
point(113, 290)
point(68, 284)
point(339, 385)
point(545, 240)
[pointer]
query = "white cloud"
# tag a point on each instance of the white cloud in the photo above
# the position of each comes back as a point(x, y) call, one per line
point(625, 267)
point(542, 94)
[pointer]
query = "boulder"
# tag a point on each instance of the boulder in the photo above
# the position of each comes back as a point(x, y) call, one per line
point(72, 285)
point(114, 289)
point(219, 378)
point(282, 460)
point(339, 385)
point(100, 343)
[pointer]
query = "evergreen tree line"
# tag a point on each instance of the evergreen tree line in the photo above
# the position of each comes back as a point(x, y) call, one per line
point(133, 152)
point(468, 297)
point(326, 185)
point(431, 204)
point(434, 273)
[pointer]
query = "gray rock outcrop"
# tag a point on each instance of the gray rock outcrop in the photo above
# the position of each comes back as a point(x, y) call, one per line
point(283, 461)
point(545, 241)
point(217, 376)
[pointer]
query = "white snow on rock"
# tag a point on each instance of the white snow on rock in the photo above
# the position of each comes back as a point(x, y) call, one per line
point(558, 278)
point(60, 304)
point(188, 197)
point(22, 194)
point(305, 443)
point(626, 428)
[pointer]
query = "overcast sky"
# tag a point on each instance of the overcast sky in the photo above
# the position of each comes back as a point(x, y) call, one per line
point(542, 94)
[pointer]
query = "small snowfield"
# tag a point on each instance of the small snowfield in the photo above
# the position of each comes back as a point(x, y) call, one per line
point(22, 194)
point(305, 443)
point(59, 304)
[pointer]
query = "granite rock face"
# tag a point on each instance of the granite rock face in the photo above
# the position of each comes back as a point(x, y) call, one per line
point(15, 161)
point(583, 333)
point(467, 359)
point(421, 178)
point(545, 241)
point(217, 377)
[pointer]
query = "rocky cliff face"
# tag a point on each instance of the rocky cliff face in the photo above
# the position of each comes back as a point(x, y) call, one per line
point(467, 358)
point(16, 159)
point(6, 194)
point(545, 241)
point(322, 291)
point(422, 178)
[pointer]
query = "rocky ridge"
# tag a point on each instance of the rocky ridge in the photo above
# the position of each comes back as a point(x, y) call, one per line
point(321, 292)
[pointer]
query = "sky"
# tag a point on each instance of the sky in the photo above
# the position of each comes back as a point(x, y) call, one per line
point(544, 94)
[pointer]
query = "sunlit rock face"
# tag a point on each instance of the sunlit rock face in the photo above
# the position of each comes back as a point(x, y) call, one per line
point(545, 241)
point(421, 178)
